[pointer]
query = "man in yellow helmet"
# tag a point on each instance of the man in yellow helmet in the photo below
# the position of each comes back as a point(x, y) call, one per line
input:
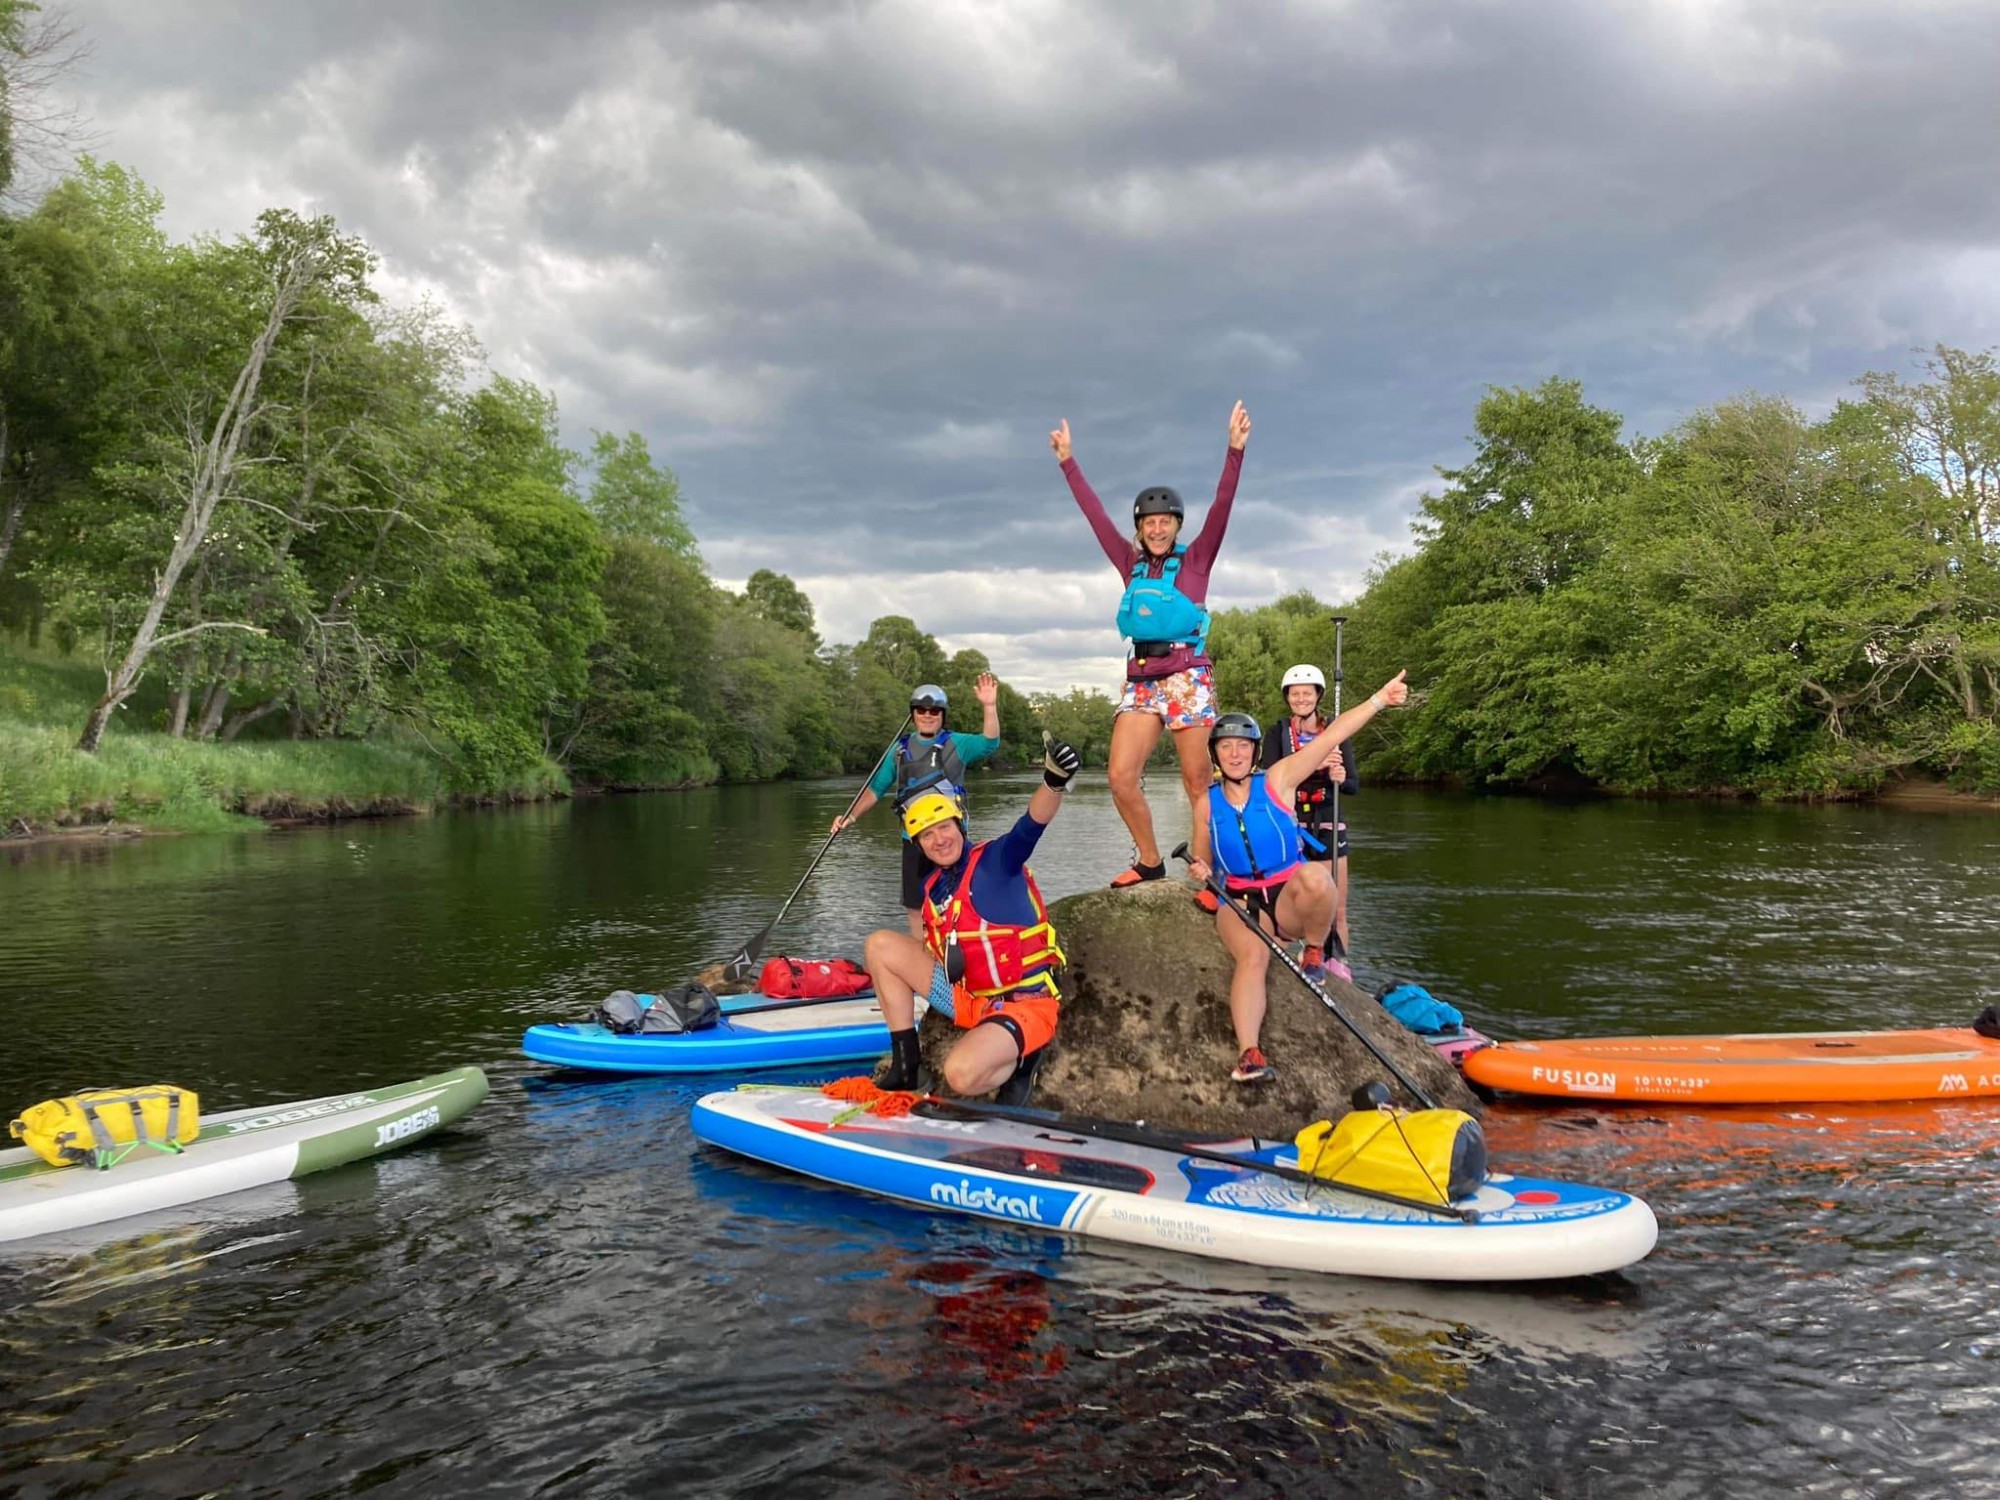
point(988, 955)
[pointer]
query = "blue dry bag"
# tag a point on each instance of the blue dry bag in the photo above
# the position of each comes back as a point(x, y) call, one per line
point(1419, 1010)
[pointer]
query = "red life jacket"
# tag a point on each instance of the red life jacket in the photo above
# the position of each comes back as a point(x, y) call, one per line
point(999, 959)
point(812, 978)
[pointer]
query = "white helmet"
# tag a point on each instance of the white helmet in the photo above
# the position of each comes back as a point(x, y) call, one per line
point(1304, 675)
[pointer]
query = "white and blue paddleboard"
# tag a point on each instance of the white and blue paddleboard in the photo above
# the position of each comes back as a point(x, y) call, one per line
point(1041, 1175)
point(803, 1036)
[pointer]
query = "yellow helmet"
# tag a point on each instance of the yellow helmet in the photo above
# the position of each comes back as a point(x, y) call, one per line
point(927, 811)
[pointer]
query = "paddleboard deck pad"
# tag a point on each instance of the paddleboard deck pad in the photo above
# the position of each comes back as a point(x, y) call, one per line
point(1043, 1176)
point(840, 1031)
point(1456, 1045)
point(1799, 1067)
point(242, 1148)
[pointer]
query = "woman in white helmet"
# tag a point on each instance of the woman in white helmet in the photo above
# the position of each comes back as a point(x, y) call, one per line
point(1314, 801)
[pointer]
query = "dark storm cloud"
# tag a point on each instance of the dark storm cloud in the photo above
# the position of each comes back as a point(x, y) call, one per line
point(846, 264)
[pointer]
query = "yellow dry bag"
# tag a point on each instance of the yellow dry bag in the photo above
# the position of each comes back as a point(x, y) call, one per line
point(1431, 1155)
point(103, 1126)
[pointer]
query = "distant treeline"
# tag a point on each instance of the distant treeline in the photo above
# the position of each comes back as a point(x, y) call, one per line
point(228, 465)
point(1754, 602)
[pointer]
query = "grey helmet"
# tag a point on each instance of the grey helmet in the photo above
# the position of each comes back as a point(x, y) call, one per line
point(929, 695)
point(1236, 727)
point(1158, 500)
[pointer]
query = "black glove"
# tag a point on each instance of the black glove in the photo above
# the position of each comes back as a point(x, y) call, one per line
point(1059, 761)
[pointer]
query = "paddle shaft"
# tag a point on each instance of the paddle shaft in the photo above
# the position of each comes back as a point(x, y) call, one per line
point(1222, 894)
point(752, 950)
point(1134, 1135)
point(1339, 632)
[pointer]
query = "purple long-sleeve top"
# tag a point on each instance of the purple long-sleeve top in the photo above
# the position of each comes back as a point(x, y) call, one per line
point(1195, 562)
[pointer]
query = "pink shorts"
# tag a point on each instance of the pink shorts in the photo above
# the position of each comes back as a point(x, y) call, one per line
point(1185, 700)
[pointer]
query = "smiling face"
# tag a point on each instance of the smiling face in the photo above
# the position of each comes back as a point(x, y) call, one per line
point(1157, 533)
point(928, 720)
point(1237, 758)
point(942, 843)
point(1302, 698)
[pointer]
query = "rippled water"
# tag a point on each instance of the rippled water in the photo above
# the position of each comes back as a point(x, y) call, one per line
point(568, 1296)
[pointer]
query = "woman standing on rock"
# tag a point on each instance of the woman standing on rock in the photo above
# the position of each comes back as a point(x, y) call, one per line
point(1169, 679)
point(1254, 833)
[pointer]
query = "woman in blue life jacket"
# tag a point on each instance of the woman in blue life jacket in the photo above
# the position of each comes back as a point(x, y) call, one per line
point(1254, 833)
point(1315, 802)
point(929, 758)
point(1169, 678)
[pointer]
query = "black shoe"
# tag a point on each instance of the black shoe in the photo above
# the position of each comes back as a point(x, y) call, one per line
point(1016, 1091)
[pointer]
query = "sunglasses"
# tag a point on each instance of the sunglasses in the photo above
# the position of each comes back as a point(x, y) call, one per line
point(926, 710)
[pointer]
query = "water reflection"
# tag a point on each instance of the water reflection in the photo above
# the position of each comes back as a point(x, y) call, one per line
point(567, 1294)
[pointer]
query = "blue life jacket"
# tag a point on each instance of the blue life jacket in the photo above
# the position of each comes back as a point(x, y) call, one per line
point(1254, 843)
point(1154, 611)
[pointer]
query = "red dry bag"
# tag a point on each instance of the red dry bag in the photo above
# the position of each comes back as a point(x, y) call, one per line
point(812, 978)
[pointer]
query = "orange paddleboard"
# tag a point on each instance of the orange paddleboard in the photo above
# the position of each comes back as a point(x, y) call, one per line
point(1796, 1067)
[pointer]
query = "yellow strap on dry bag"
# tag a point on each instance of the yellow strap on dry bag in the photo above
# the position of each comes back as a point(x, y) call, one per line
point(104, 1126)
point(1432, 1155)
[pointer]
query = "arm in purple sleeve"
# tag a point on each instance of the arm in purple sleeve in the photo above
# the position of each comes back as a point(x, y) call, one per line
point(1201, 552)
point(1117, 546)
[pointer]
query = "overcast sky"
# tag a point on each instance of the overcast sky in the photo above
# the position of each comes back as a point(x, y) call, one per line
point(845, 264)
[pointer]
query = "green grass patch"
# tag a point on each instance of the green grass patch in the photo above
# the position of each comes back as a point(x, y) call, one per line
point(143, 777)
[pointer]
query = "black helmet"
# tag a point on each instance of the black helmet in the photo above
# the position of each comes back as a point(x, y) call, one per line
point(930, 695)
point(1158, 500)
point(1236, 727)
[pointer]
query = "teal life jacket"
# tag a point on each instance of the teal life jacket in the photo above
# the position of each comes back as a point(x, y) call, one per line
point(1154, 611)
point(1256, 844)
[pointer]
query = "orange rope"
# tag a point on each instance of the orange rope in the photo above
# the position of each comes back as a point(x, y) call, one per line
point(885, 1103)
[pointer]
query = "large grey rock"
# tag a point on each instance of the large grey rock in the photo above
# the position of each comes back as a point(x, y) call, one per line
point(1145, 1031)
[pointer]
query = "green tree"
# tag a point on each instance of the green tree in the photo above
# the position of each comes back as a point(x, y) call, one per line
point(196, 456)
point(632, 496)
point(774, 597)
point(650, 709)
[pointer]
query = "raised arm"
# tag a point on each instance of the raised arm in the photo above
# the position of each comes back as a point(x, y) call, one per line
point(987, 691)
point(1283, 779)
point(1208, 541)
point(1060, 762)
point(1117, 546)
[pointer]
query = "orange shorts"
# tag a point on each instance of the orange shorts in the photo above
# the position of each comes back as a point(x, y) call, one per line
point(1031, 1015)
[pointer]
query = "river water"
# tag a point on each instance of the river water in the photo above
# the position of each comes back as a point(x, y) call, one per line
point(568, 1296)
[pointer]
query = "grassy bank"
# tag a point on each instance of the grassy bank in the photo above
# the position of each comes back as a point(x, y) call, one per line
point(141, 777)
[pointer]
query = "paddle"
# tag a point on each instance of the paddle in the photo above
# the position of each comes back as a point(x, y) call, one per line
point(750, 952)
point(1139, 1135)
point(1222, 894)
point(1339, 630)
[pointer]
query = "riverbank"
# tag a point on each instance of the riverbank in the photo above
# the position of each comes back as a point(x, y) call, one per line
point(142, 780)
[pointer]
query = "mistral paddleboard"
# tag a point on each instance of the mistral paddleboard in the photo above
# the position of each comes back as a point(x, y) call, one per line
point(239, 1149)
point(1800, 1067)
point(1044, 1176)
point(801, 1036)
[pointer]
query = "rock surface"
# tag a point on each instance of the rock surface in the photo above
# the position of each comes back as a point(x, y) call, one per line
point(1145, 1031)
